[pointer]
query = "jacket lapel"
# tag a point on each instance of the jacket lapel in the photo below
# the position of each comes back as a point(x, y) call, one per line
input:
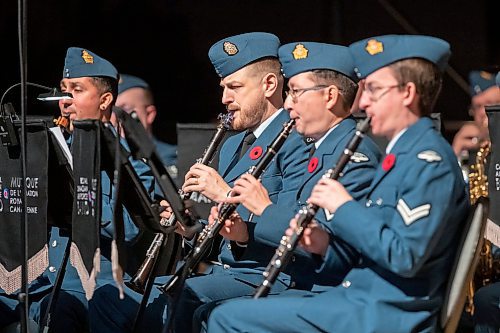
point(326, 150)
point(402, 147)
point(263, 141)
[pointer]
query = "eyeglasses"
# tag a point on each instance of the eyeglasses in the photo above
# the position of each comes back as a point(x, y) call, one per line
point(372, 91)
point(296, 93)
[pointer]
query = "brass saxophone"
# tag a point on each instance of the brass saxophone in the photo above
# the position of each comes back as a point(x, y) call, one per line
point(478, 187)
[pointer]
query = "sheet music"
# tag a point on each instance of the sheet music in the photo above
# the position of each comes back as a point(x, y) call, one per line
point(492, 233)
point(62, 143)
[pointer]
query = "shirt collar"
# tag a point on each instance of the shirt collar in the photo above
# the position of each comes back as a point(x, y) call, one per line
point(258, 131)
point(318, 142)
point(391, 143)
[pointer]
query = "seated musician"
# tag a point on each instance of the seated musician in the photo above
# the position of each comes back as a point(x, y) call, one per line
point(322, 87)
point(487, 299)
point(484, 92)
point(406, 226)
point(93, 82)
point(252, 86)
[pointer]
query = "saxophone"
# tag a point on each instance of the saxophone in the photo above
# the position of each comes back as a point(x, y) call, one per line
point(487, 269)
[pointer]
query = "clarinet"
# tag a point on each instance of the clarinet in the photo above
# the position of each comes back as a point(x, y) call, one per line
point(208, 155)
point(138, 281)
point(205, 239)
point(305, 216)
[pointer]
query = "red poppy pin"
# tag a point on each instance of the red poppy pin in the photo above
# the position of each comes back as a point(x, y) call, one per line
point(255, 153)
point(388, 162)
point(313, 163)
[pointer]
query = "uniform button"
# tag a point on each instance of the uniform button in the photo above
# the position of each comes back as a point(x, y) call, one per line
point(293, 259)
point(293, 284)
point(369, 203)
point(229, 246)
point(54, 243)
point(52, 269)
point(346, 284)
point(379, 201)
point(226, 266)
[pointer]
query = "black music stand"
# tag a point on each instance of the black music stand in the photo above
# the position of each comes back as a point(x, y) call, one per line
point(59, 199)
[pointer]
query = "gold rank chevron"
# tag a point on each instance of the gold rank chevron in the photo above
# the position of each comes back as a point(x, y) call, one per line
point(411, 215)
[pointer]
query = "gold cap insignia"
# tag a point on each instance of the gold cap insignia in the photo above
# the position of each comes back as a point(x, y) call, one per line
point(230, 48)
point(373, 47)
point(87, 57)
point(300, 52)
point(485, 75)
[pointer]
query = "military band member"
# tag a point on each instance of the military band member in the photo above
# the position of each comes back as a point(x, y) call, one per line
point(252, 92)
point(322, 87)
point(405, 228)
point(134, 94)
point(487, 299)
point(484, 92)
point(92, 81)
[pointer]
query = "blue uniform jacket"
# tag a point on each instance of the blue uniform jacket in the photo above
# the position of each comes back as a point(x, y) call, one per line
point(281, 179)
point(406, 230)
point(357, 177)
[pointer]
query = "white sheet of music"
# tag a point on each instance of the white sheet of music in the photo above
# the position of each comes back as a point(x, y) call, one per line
point(492, 233)
point(62, 143)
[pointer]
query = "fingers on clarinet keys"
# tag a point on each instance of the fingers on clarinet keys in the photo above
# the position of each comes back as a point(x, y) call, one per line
point(165, 222)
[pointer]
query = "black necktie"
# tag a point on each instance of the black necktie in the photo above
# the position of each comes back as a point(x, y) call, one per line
point(313, 149)
point(248, 140)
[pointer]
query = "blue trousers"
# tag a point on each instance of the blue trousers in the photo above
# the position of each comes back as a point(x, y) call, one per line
point(110, 314)
point(487, 309)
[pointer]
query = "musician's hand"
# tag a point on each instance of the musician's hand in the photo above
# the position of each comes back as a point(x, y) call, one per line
point(214, 214)
point(314, 238)
point(467, 138)
point(168, 210)
point(179, 228)
point(234, 229)
point(329, 194)
point(248, 191)
point(205, 180)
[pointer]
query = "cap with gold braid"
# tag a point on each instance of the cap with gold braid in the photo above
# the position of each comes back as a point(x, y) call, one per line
point(374, 53)
point(233, 53)
point(302, 57)
point(84, 63)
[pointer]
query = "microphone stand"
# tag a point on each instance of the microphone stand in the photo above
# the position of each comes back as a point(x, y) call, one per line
point(23, 31)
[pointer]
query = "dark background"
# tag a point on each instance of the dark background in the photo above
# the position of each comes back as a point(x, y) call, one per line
point(166, 42)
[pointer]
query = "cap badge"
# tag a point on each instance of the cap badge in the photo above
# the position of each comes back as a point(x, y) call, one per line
point(485, 75)
point(230, 48)
point(373, 47)
point(87, 57)
point(300, 52)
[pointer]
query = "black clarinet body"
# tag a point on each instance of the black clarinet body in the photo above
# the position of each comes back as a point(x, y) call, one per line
point(306, 214)
point(138, 281)
point(208, 155)
point(206, 237)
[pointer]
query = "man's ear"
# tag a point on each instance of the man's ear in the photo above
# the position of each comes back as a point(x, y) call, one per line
point(106, 100)
point(332, 96)
point(150, 114)
point(410, 94)
point(270, 84)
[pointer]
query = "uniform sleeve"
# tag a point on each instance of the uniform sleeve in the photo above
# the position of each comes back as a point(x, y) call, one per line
point(292, 163)
point(410, 218)
point(356, 178)
point(130, 229)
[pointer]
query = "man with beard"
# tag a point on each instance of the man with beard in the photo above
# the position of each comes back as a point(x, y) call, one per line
point(252, 86)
